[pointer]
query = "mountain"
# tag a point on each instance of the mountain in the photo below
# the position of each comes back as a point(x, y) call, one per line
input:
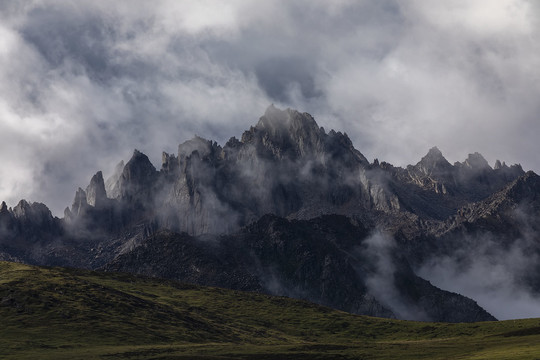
point(60, 313)
point(289, 209)
point(328, 260)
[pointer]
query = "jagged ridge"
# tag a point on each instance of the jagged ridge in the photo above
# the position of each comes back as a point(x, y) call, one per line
point(285, 165)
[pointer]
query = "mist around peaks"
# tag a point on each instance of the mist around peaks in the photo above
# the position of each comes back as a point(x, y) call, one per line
point(287, 207)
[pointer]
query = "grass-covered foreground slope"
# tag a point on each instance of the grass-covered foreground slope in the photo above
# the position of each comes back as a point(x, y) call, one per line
point(55, 313)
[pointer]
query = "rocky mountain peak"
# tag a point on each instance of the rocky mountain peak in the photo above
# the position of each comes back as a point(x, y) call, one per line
point(137, 177)
point(80, 204)
point(138, 168)
point(288, 123)
point(434, 163)
point(274, 119)
point(95, 192)
point(525, 187)
point(169, 163)
point(202, 147)
point(515, 169)
point(138, 159)
point(286, 134)
point(21, 209)
point(35, 213)
point(6, 220)
point(111, 185)
point(477, 162)
point(433, 155)
point(289, 167)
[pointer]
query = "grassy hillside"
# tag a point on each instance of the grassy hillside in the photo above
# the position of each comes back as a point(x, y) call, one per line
point(55, 313)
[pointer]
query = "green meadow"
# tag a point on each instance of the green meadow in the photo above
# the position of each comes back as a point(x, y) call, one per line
point(58, 313)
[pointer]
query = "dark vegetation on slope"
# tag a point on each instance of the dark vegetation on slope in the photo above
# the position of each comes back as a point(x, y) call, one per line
point(58, 313)
point(330, 260)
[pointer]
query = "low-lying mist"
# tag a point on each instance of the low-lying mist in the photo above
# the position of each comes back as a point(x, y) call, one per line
point(492, 273)
point(380, 248)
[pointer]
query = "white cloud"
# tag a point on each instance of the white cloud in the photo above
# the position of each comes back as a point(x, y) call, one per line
point(481, 17)
point(85, 82)
point(489, 273)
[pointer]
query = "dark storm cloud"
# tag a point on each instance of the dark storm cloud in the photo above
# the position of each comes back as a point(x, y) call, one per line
point(83, 83)
point(275, 76)
point(61, 34)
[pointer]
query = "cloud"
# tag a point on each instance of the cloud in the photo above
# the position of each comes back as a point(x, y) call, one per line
point(480, 17)
point(493, 271)
point(381, 282)
point(91, 88)
point(83, 83)
point(492, 281)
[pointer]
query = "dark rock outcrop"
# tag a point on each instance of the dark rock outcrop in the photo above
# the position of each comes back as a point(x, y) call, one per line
point(287, 209)
point(96, 195)
point(323, 260)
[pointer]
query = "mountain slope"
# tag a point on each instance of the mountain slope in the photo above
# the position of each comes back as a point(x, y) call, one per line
point(289, 167)
point(55, 313)
point(329, 260)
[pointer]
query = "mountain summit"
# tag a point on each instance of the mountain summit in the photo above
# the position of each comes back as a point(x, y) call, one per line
point(434, 163)
point(288, 209)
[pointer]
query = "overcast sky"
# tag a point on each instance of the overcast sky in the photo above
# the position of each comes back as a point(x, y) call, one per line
point(83, 83)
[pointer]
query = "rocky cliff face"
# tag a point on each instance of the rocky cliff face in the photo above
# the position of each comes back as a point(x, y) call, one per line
point(435, 189)
point(286, 165)
point(203, 217)
point(325, 260)
point(27, 230)
point(506, 222)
